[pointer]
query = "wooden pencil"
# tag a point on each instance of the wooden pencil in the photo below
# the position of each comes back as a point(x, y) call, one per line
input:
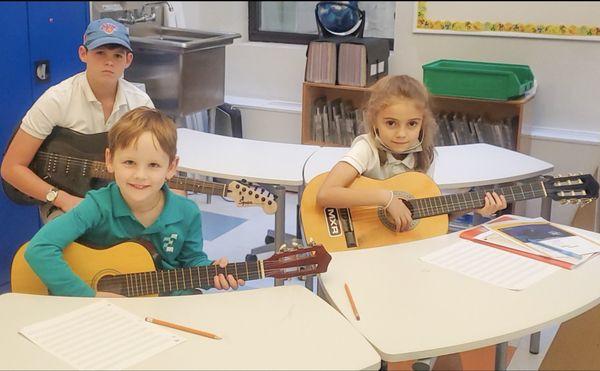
point(182, 328)
point(352, 302)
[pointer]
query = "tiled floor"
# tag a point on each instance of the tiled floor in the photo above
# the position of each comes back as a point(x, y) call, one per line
point(238, 242)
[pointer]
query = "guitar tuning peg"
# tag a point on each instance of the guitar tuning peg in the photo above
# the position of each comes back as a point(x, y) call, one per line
point(574, 201)
point(283, 248)
point(564, 202)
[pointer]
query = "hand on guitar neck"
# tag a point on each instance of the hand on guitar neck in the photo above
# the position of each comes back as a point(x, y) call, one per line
point(220, 282)
point(223, 283)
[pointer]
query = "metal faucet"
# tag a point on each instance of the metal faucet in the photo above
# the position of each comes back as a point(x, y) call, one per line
point(130, 17)
point(156, 3)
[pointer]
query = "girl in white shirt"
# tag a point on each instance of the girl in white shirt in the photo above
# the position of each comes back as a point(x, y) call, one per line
point(400, 137)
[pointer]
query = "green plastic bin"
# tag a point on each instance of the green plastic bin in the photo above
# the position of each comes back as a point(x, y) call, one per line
point(481, 80)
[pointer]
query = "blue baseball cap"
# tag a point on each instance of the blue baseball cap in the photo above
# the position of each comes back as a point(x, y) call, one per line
point(106, 31)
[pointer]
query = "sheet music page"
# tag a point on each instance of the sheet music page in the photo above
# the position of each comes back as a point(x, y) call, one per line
point(495, 266)
point(100, 336)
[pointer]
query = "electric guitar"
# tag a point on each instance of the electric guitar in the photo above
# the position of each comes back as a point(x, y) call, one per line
point(74, 162)
point(128, 269)
point(363, 227)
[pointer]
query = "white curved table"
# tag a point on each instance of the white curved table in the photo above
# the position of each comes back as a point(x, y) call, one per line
point(467, 165)
point(235, 158)
point(273, 328)
point(410, 309)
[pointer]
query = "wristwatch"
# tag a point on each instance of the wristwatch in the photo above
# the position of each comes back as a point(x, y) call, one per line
point(51, 195)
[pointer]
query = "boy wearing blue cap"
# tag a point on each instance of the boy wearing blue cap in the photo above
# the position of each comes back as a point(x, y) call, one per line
point(89, 102)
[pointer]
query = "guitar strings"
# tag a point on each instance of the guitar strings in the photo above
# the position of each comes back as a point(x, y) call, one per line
point(102, 166)
point(114, 282)
point(423, 210)
point(213, 186)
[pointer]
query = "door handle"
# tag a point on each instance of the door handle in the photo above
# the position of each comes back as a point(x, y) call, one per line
point(42, 70)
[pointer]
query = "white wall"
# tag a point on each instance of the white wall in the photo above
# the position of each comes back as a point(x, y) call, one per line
point(565, 106)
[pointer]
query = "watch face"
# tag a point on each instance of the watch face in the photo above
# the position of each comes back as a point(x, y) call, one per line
point(51, 195)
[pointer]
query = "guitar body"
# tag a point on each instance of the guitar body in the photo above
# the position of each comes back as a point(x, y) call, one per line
point(87, 263)
point(321, 225)
point(69, 176)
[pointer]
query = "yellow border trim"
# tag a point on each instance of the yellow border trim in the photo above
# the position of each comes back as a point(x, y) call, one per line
point(530, 29)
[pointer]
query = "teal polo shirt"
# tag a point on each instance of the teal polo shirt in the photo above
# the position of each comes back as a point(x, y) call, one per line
point(104, 219)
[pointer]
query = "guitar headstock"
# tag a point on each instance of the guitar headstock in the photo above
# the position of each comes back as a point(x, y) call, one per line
point(297, 261)
point(581, 188)
point(247, 194)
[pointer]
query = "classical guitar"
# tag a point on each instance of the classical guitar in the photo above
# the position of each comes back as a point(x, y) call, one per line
point(74, 162)
point(129, 269)
point(341, 229)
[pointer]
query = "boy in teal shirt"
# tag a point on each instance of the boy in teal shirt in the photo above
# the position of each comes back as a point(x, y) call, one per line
point(138, 205)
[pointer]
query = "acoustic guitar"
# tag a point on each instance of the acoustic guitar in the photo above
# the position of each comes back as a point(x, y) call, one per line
point(129, 269)
point(341, 229)
point(74, 162)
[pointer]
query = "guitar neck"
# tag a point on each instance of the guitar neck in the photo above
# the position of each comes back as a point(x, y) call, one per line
point(431, 206)
point(97, 169)
point(163, 281)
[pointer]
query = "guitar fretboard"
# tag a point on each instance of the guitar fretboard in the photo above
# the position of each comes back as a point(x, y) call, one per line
point(156, 282)
point(425, 207)
point(96, 169)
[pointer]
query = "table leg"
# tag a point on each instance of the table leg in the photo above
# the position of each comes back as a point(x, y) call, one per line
point(425, 364)
point(279, 222)
point(546, 211)
point(534, 343)
point(211, 126)
point(308, 280)
point(501, 356)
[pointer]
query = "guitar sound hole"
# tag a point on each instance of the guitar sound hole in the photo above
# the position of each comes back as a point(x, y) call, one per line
point(109, 283)
point(388, 222)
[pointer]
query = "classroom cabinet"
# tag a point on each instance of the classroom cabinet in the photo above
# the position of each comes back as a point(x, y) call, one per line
point(467, 121)
point(39, 49)
point(460, 120)
point(332, 115)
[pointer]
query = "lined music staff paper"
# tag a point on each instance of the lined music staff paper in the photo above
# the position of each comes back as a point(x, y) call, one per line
point(100, 336)
point(500, 268)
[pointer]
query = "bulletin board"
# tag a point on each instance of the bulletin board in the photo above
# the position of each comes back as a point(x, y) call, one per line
point(575, 20)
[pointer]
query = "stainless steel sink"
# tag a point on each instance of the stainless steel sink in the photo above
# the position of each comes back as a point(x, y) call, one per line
point(180, 38)
point(183, 70)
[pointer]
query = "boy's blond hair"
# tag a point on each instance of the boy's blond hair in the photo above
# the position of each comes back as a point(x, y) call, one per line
point(134, 123)
point(389, 90)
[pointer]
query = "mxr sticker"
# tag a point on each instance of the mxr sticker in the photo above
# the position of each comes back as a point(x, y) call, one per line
point(333, 222)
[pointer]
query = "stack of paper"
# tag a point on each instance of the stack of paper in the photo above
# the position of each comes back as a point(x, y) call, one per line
point(493, 266)
point(352, 65)
point(536, 239)
point(100, 336)
point(321, 62)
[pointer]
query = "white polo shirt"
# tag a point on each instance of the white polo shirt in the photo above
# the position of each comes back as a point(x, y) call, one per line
point(72, 104)
point(364, 157)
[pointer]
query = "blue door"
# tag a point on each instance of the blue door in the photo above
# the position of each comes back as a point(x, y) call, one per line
point(32, 31)
point(55, 32)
